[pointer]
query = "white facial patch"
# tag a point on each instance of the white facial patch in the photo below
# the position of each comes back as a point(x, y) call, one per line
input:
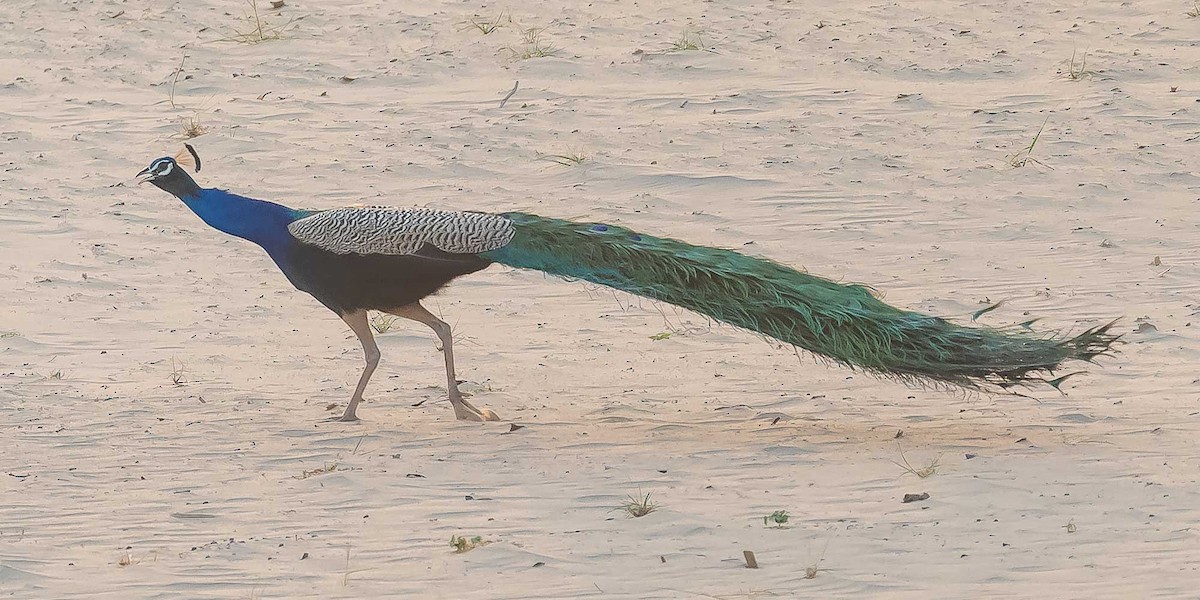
point(161, 167)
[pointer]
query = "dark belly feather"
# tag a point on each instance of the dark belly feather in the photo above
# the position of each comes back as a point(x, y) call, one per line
point(349, 282)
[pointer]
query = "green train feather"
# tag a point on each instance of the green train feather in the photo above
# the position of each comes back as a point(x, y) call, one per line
point(845, 323)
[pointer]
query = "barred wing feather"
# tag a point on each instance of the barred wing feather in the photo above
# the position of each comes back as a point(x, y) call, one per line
point(402, 231)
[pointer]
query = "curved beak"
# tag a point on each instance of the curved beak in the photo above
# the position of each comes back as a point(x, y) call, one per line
point(143, 176)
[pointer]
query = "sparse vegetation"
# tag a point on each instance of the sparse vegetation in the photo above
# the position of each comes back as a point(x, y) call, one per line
point(926, 471)
point(177, 373)
point(533, 46)
point(779, 518)
point(175, 79)
point(810, 572)
point(567, 160)
point(346, 573)
point(1023, 156)
point(486, 27)
point(382, 323)
point(8, 334)
point(191, 127)
point(57, 374)
point(688, 40)
point(1195, 10)
point(1077, 69)
point(318, 471)
point(126, 559)
point(464, 544)
point(638, 506)
point(255, 30)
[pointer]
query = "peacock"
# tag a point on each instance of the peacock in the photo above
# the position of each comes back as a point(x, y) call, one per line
point(357, 259)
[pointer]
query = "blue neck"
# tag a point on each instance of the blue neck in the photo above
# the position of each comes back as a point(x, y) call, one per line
point(264, 223)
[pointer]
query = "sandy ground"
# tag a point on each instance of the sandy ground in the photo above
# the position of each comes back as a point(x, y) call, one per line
point(865, 141)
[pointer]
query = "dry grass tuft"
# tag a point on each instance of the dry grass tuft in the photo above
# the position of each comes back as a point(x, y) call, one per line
point(318, 471)
point(926, 471)
point(533, 46)
point(573, 159)
point(486, 27)
point(638, 506)
point(191, 127)
point(1077, 69)
point(688, 41)
point(1025, 155)
point(177, 373)
point(255, 30)
point(464, 544)
point(382, 323)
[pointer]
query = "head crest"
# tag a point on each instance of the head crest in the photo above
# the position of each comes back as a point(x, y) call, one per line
point(188, 158)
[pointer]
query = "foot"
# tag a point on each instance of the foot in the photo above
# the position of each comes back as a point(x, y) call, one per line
point(465, 411)
point(347, 417)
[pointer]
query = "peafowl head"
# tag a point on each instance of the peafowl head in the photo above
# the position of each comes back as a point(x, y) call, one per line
point(168, 173)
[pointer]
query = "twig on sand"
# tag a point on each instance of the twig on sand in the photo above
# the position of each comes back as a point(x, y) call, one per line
point(510, 93)
point(176, 79)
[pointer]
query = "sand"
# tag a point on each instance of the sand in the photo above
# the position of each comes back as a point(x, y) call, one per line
point(163, 390)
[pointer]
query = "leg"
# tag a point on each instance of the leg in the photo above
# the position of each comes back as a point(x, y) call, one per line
point(358, 323)
point(462, 409)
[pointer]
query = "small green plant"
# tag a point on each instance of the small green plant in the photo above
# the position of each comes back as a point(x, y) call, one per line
point(658, 337)
point(257, 31)
point(638, 506)
point(688, 40)
point(567, 160)
point(382, 323)
point(1077, 70)
point(779, 518)
point(486, 27)
point(533, 45)
point(1023, 156)
point(464, 544)
point(8, 334)
point(922, 473)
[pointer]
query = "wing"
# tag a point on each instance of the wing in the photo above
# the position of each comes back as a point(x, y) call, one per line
point(403, 231)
